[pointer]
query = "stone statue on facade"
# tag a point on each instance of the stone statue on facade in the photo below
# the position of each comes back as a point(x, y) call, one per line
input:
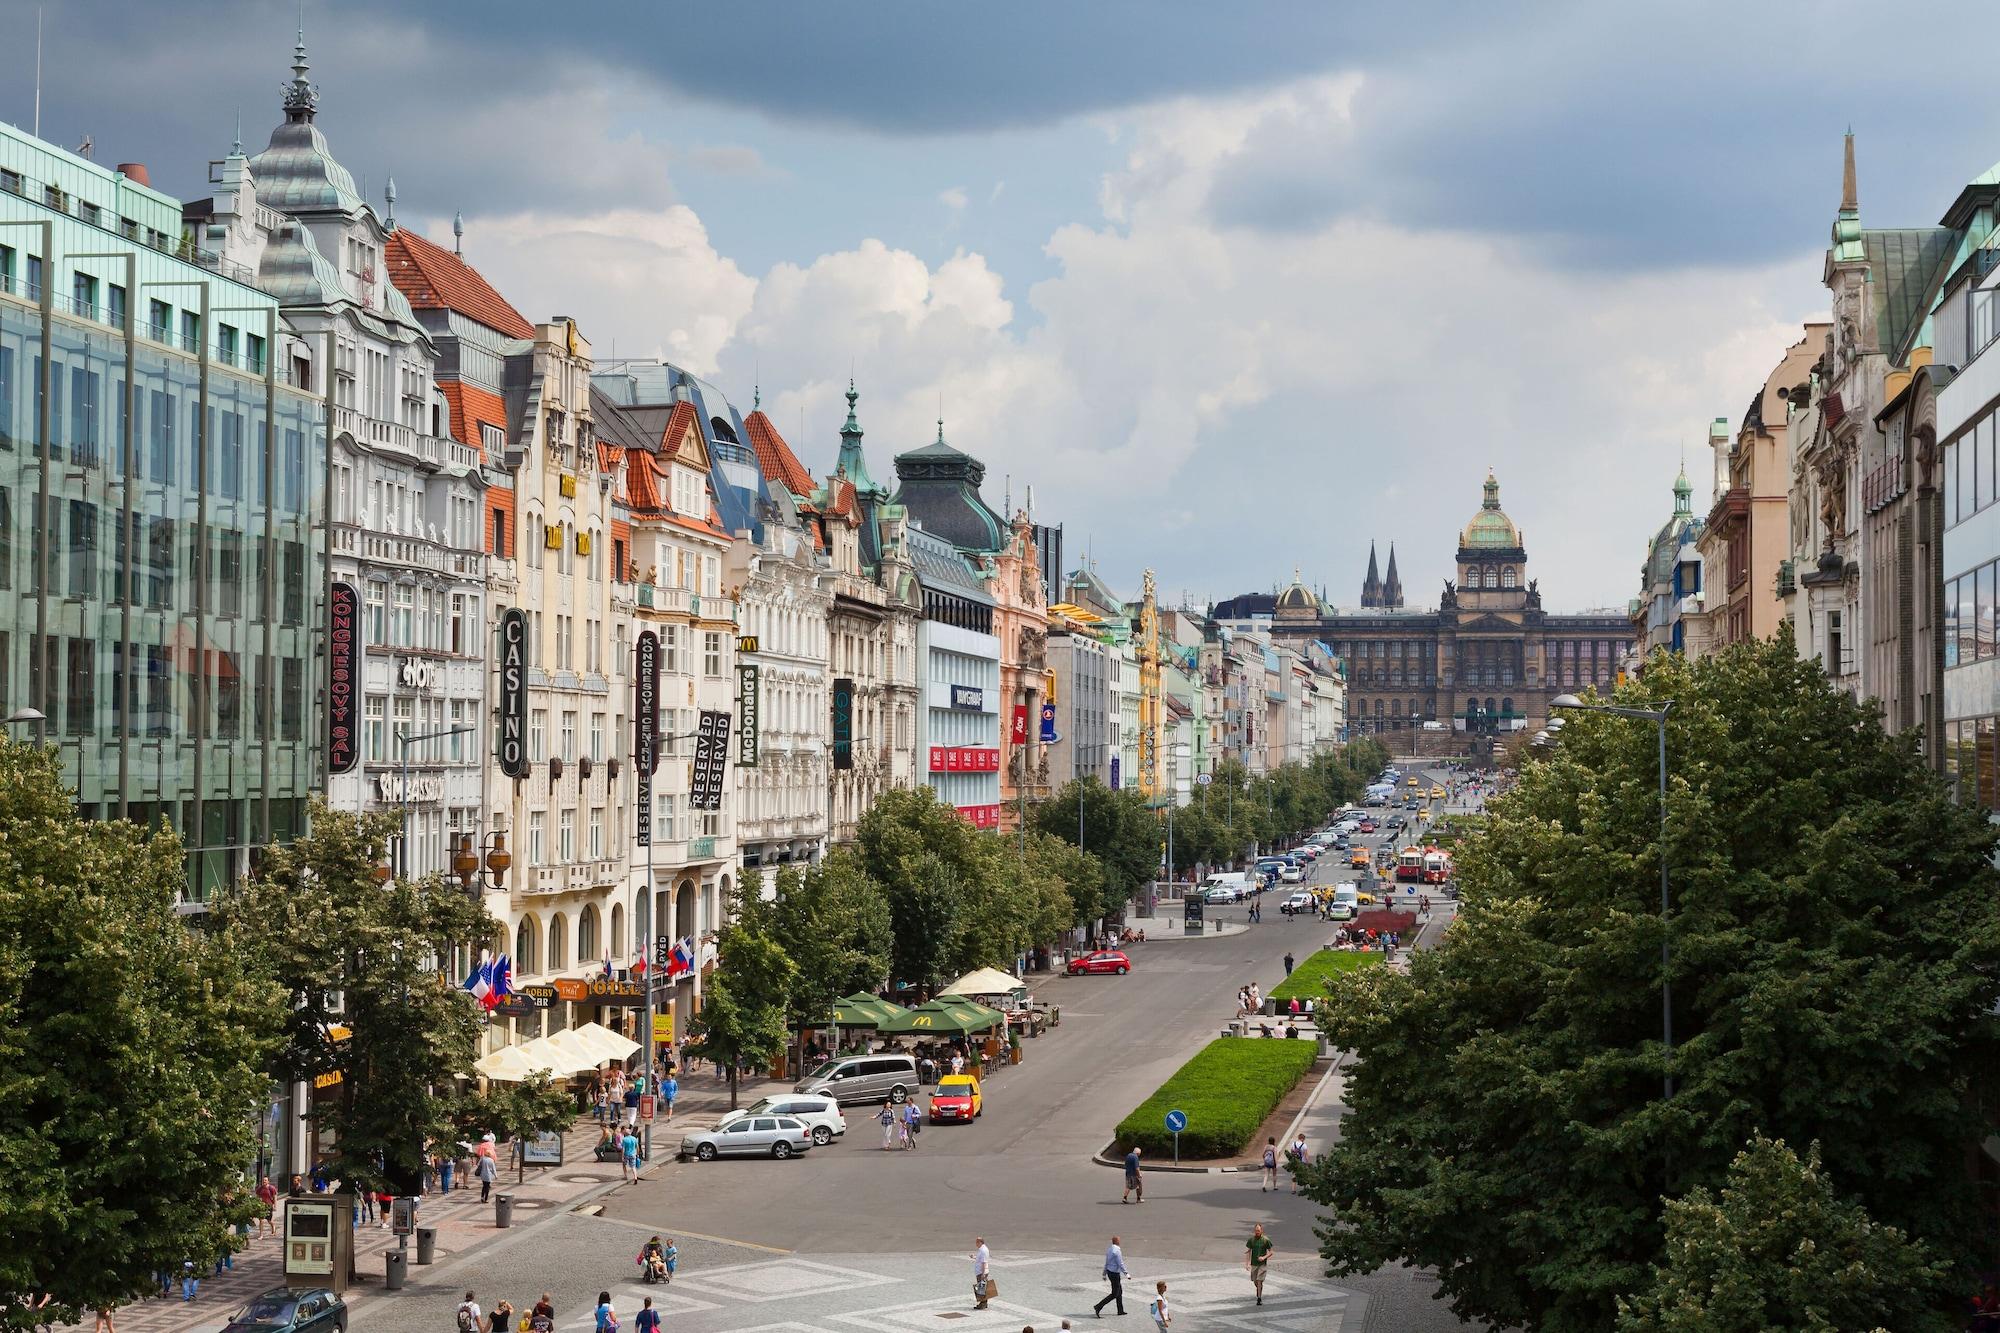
point(1449, 598)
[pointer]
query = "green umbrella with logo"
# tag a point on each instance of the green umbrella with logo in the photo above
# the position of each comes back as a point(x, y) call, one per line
point(943, 1018)
point(863, 1011)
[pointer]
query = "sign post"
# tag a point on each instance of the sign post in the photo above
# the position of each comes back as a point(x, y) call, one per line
point(1176, 1122)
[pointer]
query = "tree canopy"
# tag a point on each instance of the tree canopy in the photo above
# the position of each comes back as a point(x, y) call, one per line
point(352, 951)
point(1776, 1250)
point(133, 1055)
point(1835, 939)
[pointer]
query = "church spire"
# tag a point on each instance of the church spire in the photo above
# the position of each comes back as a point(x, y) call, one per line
point(1371, 587)
point(852, 462)
point(1392, 586)
point(1847, 245)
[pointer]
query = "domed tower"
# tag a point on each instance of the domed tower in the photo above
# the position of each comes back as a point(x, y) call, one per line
point(1296, 604)
point(1492, 562)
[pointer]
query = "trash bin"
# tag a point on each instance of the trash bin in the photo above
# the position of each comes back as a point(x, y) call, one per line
point(427, 1239)
point(399, 1268)
point(503, 1210)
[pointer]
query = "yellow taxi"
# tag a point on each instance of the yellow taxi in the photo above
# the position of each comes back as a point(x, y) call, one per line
point(1437, 793)
point(957, 1098)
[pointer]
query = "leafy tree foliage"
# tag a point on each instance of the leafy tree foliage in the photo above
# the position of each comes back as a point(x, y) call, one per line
point(516, 1111)
point(1777, 1250)
point(1835, 936)
point(832, 921)
point(1118, 829)
point(132, 1056)
point(742, 1020)
point(318, 920)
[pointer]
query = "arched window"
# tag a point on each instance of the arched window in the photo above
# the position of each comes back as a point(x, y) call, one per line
point(533, 539)
point(723, 430)
point(1395, 707)
point(525, 940)
point(1507, 708)
point(586, 935)
point(1492, 577)
point(558, 943)
point(1507, 577)
point(616, 944)
point(1413, 708)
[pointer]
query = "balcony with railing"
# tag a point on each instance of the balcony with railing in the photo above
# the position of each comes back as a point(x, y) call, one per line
point(433, 450)
point(1884, 485)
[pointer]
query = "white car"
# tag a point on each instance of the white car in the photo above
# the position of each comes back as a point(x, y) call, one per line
point(1221, 893)
point(820, 1114)
point(1298, 902)
point(1291, 875)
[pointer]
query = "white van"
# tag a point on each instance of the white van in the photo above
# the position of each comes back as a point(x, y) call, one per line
point(1347, 895)
point(1238, 882)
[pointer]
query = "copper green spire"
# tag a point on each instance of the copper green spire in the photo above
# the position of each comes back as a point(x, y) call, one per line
point(1492, 500)
point(1683, 496)
point(852, 462)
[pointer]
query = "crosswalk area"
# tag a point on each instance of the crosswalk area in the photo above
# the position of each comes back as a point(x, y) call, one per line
point(878, 1294)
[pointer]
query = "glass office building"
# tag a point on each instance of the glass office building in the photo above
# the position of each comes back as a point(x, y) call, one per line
point(162, 560)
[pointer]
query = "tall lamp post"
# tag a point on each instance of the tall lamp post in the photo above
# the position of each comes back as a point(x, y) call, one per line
point(1658, 717)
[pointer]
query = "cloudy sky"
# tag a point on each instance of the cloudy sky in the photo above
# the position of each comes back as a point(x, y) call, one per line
point(1234, 288)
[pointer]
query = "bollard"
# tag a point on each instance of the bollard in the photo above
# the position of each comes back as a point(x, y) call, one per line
point(503, 1210)
point(426, 1244)
point(399, 1267)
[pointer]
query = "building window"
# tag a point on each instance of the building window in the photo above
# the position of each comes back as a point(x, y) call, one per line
point(711, 654)
point(597, 834)
point(563, 624)
point(596, 737)
point(566, 837)
point(375, 711)
point(537, 837)
point(568, 736)
point(670, 649)
point(404, 714)
point(499, 533)
point(538, 735)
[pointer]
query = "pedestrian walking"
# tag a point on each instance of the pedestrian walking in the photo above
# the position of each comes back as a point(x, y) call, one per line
point(1257, 1259)
point(502, 1318)
point(488, 1171)
point(104, 1324)
point(632, 1102)
point(1270, 1177)
point(267, 1195)
point(607, 1318)
point(1115, 1273)
point(629, 1152)
point(1134, 1182)
point(913, 1124)
point(447, 1166)
point(648, 1319)
point(190, 1280)
point(982, 1273)
point(670, 1088)
point(542, 1319)
point(1163, 1318)
point(1288, 962)
point(470, 1320)
point(886, 1118)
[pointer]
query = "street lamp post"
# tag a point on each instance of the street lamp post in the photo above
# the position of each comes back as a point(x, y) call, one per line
point(1658, 717)
point(405, 740)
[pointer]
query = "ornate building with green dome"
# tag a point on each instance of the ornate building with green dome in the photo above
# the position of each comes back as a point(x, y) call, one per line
point(1484, 661)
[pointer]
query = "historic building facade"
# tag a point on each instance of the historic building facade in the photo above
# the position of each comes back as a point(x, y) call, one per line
point(405, 496)
point(1669, 611)
point(1486, 660)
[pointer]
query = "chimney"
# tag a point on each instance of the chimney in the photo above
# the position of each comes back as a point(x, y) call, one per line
point(136, 173)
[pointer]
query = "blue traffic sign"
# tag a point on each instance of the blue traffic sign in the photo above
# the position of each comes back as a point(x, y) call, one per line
point(1176, 1121)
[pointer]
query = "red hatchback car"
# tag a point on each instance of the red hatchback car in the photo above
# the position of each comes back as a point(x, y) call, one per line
point(1108, 960)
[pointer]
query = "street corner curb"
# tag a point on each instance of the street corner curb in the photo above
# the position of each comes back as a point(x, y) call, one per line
point(1105, 1157)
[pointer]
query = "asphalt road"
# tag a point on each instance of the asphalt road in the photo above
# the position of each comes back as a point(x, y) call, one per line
point(1021, 1176)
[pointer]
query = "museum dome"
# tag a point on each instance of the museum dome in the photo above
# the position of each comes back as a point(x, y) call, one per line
point(1490, 529)
point(1298, 597)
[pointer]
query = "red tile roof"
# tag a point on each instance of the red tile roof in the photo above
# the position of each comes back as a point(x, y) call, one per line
point(471, 408)
point(775, 458)
point(640, 489)
point(843, 499)
point(433, 278)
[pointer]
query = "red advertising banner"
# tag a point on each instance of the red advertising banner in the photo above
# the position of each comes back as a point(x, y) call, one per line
point(937, 759)
point(981, 816)
point(1020, 724)
point(964, 759)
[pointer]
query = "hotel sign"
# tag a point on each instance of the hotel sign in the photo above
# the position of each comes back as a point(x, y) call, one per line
point(343, 750)
point(513, 754)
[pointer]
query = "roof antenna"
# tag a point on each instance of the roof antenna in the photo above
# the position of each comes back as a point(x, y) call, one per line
point(458, 248)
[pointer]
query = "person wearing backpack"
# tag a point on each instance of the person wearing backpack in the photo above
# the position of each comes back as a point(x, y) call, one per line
point(469, 1316)
point(1270, 1166)
point(1298, 1156)
point(1157, 1307)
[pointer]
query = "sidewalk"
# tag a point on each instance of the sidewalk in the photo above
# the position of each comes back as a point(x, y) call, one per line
point(463, 1223)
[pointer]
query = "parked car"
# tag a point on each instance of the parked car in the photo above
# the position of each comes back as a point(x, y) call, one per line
point(283, 1310)
point(821, 1114)
point(1104, 960)
point(1291, 875)
point(1221, 893)
point(863, 1078)
point(957, 1098)
point(777, 1136)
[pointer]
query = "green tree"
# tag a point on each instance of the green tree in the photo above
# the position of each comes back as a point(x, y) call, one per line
point(832, 921)
point(742, 1020)
point(927, 859)
point(928, 910)
point(353, 951)
point(1119, 829)
point(132, 1056)
point(516, 1111)
point(1835, 937)
point(1777, 1250)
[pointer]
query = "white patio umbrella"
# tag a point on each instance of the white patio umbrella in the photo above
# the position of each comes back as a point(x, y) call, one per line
point(505, 1065)
point(602, 1038)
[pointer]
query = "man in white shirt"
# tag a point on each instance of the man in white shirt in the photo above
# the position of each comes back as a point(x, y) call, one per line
point(982, 1272)
point(1115, 1272)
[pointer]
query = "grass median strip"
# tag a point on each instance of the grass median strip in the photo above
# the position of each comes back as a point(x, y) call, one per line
point(1309, 978)
point(1227, 1090)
